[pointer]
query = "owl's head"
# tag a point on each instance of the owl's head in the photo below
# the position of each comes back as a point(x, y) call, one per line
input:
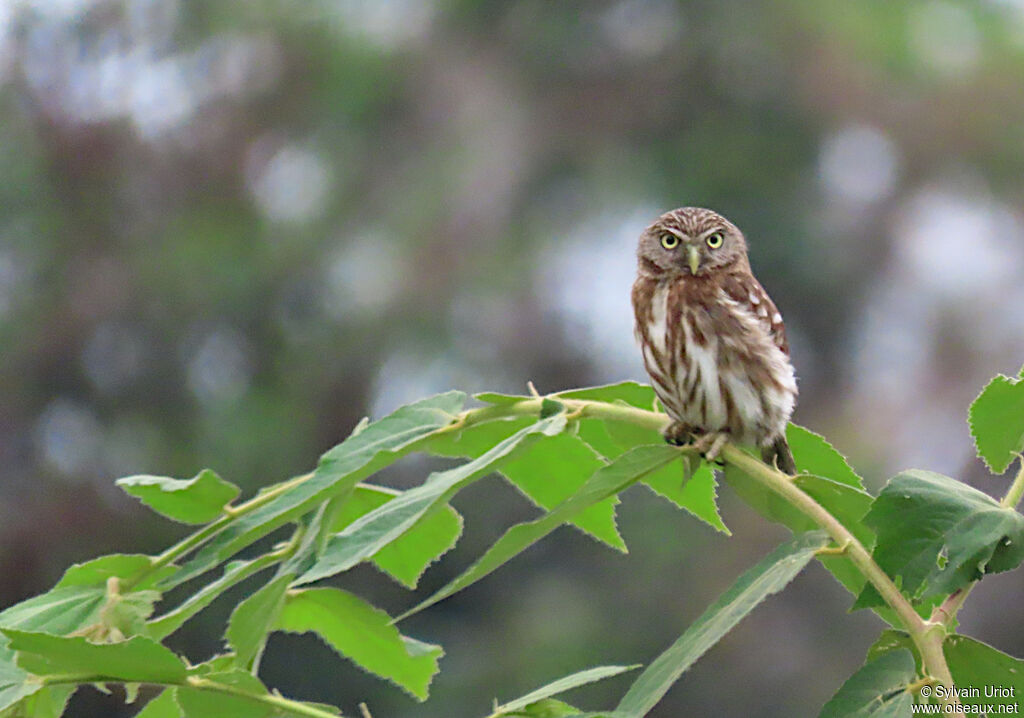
point(691, 241)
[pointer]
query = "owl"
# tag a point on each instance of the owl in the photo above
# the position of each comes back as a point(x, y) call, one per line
point(713, 342)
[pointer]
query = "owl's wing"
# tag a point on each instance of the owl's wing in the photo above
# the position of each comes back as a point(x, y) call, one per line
point(746, 291)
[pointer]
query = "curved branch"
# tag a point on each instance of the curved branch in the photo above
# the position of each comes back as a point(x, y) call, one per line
point(927, 635)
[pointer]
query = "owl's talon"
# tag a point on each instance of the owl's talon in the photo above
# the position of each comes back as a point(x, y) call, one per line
point(710, 445)
point(678, 434)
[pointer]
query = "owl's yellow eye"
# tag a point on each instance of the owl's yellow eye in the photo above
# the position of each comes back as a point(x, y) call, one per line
point(669, 241)
point(714, 241)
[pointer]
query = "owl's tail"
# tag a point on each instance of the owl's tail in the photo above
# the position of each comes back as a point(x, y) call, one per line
point(778, 454)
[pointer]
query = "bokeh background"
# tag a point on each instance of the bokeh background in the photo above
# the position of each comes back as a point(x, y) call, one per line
point(230, 230)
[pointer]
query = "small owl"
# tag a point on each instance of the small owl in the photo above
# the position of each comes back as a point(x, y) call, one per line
point(712, 340)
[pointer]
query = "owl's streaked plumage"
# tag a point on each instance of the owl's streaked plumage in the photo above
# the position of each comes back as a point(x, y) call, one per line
point(712, 340)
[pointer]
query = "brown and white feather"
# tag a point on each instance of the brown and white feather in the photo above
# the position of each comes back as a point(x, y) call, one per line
point(713, 342)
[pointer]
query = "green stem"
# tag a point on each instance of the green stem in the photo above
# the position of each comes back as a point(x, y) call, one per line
point(577, 408)
point(946, 612)
point(171, 621)
point(854, 549)
point(197, 539)
point(268, 699)
point(926, 635)
point(62, 679)
point(527, 407)
point(1016, 490)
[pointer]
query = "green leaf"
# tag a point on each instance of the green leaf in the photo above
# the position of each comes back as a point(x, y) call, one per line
point(936, 534)
point(367, 535)
point(541, 472)
point(15, 685)
point(128, 612)
point(493, 397)
point(628, 392)
point(220, 663)
point(332, 710)
point(996, 419)
point(475, 439)
point(698, 494)
point(627, 436)
point(234, 573)
point(312, 532)
point(893, 640)
point(137, 659)
point(846, 502)
point(596, 435)
point(765, 501)
point(876, 690)
point(849, 504)
point(60, 610)
point(195, 501)
point(550, 407)
point(606, 481)
point(581, 678)
point(814, 455)
point(611, 438)
point(127, 567)
point(407, 557)
point(49, 702)
point(376, 445)
point(163, 706)
point(363, 634)
point(769, 576)
point(996, 677)
point(545, 708)
point(254, 618)
point(208, 702)
point(550, 471)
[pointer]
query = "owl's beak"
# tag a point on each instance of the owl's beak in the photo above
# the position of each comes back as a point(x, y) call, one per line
point(694, 257)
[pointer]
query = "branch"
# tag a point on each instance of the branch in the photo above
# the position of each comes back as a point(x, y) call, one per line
point(527, 407)
point(1016, 490)
point(928, 636)
point(174, 619)
point(269, 699)
point(198, 538)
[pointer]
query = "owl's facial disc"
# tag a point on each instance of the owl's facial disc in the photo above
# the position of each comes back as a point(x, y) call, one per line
point(691, 241)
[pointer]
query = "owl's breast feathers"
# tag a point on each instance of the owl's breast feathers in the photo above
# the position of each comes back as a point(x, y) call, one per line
point(716, 350)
